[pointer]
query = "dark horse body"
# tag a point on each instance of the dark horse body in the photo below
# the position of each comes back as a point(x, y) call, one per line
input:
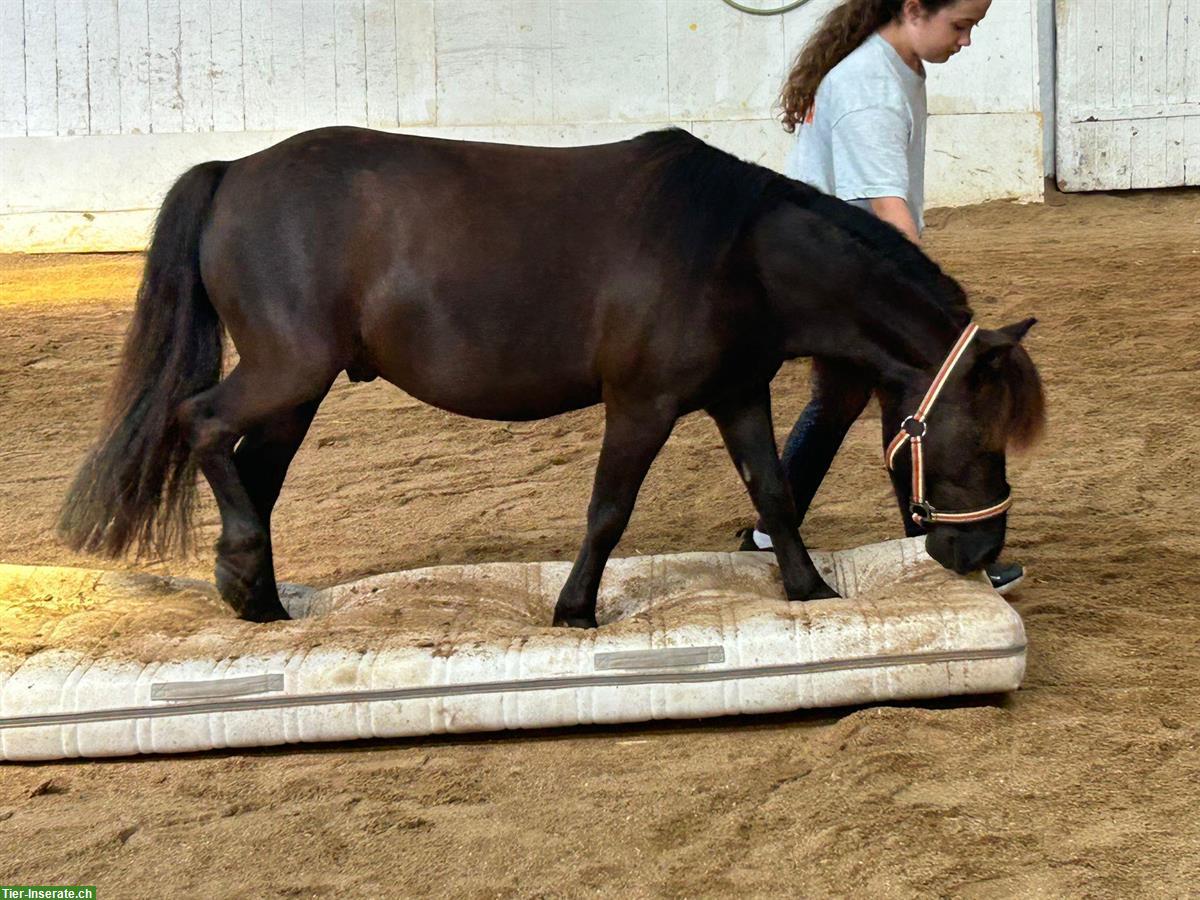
point(658, 276)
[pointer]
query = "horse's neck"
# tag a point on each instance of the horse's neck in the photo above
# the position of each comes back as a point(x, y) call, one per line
point(836, 296)
point(908, 336)
point(898, 335)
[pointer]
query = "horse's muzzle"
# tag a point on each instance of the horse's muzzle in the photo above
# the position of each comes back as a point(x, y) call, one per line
point(964, 550)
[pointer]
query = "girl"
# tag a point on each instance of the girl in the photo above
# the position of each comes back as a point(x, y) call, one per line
point(857, 93)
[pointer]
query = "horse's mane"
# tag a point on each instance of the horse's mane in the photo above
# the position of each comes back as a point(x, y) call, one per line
point(895, 252)
point(702, 200)
point(695, 198)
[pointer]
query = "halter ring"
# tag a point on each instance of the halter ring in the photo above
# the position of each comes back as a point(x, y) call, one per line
point(920, 510)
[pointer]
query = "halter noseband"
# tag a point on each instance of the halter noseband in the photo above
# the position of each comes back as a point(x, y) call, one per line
point(913, 430)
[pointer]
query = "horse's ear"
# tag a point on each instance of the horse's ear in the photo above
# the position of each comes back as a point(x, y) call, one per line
point(995, 344)
point(1018, 330)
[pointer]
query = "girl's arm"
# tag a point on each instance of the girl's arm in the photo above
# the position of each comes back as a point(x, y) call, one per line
point(894, 211)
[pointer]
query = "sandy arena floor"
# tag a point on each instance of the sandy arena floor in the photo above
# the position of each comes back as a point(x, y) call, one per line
point(1085, 783)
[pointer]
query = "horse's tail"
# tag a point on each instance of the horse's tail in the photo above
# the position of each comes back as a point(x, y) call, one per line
point(138, 482)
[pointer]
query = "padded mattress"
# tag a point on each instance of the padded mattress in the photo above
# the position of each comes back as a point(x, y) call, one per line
point(96, 664)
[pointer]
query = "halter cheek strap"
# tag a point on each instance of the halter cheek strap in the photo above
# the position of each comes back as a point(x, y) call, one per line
point(913, 431)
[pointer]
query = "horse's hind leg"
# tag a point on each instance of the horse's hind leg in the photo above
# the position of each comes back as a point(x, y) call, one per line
point(262, 458)
point(272, 410)
point(745, 425)
point(264, 454)
point(632, 438)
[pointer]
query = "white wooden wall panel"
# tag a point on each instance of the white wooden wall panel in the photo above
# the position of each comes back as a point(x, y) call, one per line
point(1176, 61)
point(133, 36)
point(1192, 85)
point(262, 64)
point(383, 102)
point(609, 61)
point(1191, 125)
point(350, 63)
point(227, 72)
point(166, 77)
point(724, 64)
point(1148, 137)
point(12, 67)
point(1101, 141)
point(195, 65)
point(494, 62)
point(258, 78)
point(41, 70)
point(149, 87)
point(416, 62)
point(320, 64)
point(71, 45)
point(1128, 108)
point(103, 67)
point(287, 62)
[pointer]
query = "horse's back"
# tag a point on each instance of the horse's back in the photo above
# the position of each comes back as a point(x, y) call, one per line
point(496, 281)
point(397, 251)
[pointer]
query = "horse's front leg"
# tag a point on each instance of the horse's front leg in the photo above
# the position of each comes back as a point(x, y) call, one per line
point(632, 438)
point(745, 425)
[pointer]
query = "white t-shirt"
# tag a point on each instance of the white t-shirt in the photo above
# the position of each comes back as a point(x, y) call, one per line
point(867, 134)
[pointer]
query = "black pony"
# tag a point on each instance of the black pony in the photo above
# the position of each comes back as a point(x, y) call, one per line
point(658, 276)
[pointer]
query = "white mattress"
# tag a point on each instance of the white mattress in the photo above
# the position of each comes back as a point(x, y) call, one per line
point(101, 664)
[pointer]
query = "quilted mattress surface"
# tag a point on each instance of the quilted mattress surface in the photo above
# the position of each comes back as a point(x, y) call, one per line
point(99, 663)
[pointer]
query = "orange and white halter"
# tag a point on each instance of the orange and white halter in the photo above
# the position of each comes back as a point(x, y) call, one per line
point(913, 431)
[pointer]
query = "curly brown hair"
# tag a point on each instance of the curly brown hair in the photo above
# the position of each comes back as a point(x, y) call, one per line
point(840, 32)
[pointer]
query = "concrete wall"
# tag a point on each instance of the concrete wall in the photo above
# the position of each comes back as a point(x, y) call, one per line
point(104, 102)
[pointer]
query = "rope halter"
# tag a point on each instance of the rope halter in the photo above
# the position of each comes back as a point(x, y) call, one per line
point(913, 431)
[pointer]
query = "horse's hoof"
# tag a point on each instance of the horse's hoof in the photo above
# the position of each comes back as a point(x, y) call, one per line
point(252, 603)
point(821, 592)
point(266, 613)
point(575, 621)
point(824, 593)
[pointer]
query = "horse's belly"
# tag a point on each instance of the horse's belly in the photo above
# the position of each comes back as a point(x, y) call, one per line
point(484, 358)
point(507, 397)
